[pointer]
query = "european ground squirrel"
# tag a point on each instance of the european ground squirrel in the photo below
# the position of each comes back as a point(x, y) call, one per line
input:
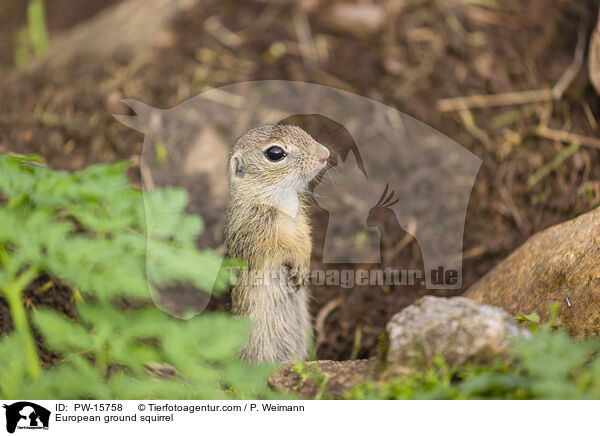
point(270, 168)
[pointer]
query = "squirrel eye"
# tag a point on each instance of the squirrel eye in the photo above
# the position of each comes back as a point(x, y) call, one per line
point(275, 154)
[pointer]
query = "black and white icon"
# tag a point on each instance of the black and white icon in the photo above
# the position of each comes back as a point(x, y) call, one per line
point(26, 415)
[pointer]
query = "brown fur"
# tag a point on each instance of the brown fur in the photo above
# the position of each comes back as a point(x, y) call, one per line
point(268, 230)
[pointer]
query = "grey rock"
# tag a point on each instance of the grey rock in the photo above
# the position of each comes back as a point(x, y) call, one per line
point(460, 330)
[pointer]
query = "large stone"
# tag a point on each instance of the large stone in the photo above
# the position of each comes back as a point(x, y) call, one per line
point(458, 329)
point(562, 264)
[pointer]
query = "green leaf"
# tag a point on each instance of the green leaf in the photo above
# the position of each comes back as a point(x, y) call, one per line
point(60, 333)
point(532, 317)
point(12, 362)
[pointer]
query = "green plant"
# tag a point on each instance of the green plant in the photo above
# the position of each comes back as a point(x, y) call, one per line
point(32, 39)
point(532, 321)
point(89, 230)
point(310, 371)
point(431, 383)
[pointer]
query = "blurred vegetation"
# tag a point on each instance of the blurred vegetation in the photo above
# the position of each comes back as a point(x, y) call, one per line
point(87, 230)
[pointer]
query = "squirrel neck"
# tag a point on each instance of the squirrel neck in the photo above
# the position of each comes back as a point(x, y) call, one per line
point(284, 199)
point(256, 227)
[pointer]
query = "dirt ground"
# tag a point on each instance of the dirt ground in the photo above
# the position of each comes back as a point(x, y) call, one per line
point(405, 53)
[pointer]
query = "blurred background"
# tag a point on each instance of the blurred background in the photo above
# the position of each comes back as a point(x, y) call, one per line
point(510, 80)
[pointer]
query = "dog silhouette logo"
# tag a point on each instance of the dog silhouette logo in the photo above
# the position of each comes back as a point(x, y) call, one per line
point(374, 149)
point(26, 415)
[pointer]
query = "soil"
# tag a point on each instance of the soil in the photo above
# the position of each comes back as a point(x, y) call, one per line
point(422, 51)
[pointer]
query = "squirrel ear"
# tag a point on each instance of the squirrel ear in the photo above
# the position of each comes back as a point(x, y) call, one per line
point(237, 168)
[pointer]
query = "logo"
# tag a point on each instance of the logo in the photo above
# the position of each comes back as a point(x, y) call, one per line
point(388, 210)
point(26, 415)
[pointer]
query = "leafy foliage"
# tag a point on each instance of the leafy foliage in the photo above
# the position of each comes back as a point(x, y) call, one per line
point(90, 231)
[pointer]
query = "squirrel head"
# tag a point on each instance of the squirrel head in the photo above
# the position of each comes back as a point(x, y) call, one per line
point(275, 161)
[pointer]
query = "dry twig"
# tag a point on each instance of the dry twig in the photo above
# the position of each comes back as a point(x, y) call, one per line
point(322, 316)
point(566, 137)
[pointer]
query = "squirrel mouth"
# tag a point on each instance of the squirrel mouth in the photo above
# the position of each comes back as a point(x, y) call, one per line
point(322, 163)
point(318, 168)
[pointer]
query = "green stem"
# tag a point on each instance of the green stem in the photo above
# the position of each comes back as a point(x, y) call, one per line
point(2, 254)
point(13, 294)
